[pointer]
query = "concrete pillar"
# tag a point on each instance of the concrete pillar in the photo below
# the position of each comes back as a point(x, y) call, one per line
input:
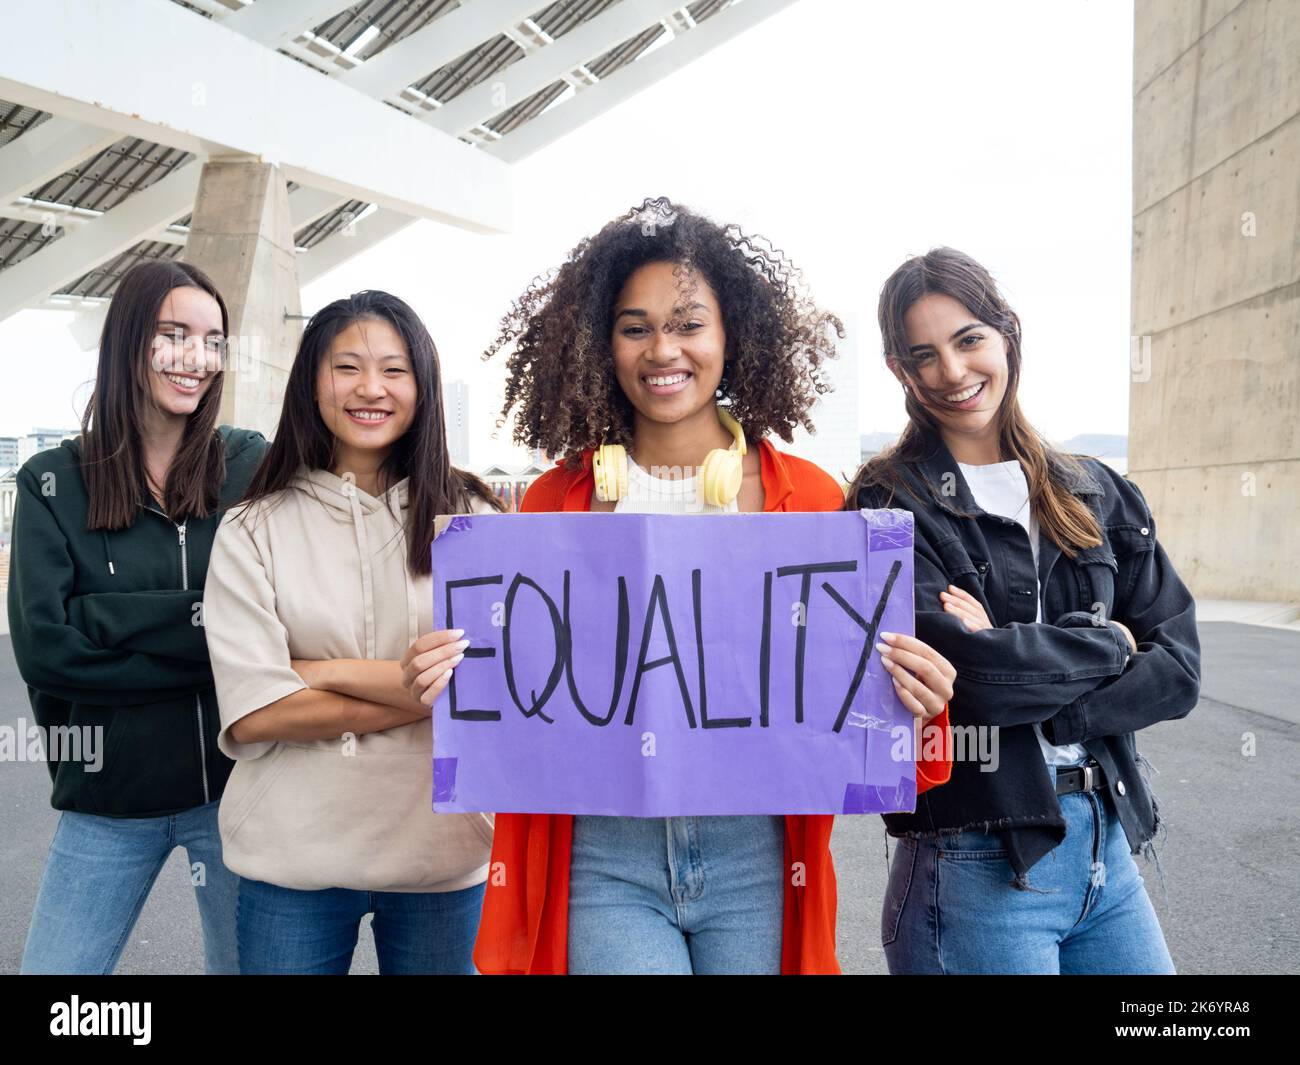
point(242, 237)
point(1214, 435)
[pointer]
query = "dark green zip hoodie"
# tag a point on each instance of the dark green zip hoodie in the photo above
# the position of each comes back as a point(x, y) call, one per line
point(107, 632)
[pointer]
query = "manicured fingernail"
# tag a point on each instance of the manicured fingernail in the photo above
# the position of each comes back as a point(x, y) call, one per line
point(456, 659)
point(462, 643)
point(884, 649)
point(888, 637)
point(458, 633)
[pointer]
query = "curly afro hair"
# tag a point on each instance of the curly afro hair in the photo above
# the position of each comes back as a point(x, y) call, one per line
point(561, 371)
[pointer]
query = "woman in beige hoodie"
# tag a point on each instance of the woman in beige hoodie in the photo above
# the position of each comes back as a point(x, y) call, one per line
point(318, 586)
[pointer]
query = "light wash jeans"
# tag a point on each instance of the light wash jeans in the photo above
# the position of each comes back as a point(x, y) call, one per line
point(676, 895)
point(98, 873)
point(284, 930)
point(950, 906)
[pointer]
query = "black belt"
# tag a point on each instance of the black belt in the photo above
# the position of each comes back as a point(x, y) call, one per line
point(1072, 778)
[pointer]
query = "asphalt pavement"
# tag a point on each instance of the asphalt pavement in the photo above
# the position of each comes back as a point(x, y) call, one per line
point(1226, 781)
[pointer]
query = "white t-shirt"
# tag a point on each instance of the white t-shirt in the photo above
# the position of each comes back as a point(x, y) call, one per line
point(1001, 488)
point(657, 495)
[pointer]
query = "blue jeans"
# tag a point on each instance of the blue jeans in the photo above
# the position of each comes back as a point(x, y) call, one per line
point(98, 873)
point(950, 906)
point(283, 930)
point(676, 895)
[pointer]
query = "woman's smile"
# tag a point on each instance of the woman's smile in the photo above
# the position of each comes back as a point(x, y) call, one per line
point(967, 398)
point(368, 416)
point(185, 383)
point(667, 384)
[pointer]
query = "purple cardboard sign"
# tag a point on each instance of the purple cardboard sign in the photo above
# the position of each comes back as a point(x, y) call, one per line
point(669, 665)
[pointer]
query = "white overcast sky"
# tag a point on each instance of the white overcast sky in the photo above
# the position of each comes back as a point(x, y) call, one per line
point(852, 133)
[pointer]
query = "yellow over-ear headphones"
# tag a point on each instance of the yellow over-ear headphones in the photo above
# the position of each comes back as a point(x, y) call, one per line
point(720, 476)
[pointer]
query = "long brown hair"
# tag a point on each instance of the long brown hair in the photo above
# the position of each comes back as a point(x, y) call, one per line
point(112, 459)
point(945, 271)
point(303, 439)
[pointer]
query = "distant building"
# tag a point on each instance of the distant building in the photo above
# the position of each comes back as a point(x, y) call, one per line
point(835, 447)
point(874, 443)
point(14, 451)
point(455, 401)
point(42, 440)
point(509, 486)
point(8, 497)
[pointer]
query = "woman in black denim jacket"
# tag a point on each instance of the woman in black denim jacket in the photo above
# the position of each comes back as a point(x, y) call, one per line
point(1022, 862)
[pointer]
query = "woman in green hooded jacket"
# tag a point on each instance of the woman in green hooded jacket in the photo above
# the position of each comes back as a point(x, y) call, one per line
point(111, 538)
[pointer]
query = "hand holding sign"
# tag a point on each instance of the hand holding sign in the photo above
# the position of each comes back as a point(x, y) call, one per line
point(922, 677)
point(427, 664)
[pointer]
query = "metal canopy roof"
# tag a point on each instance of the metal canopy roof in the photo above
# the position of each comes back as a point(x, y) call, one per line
point(345, 42)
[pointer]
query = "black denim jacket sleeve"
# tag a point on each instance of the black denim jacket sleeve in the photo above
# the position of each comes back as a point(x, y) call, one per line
point(1161, 681)
point(1017, 674)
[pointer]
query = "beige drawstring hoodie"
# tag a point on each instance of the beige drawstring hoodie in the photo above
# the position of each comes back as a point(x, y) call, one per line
point(318, 571)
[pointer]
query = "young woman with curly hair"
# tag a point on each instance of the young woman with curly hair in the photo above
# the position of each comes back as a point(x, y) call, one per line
point(672, 337)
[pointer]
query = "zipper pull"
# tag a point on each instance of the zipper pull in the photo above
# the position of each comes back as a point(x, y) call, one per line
point(180, 530)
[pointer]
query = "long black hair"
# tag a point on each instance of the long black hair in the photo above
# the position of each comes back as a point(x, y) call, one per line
point(302, 438)
point(112, 453)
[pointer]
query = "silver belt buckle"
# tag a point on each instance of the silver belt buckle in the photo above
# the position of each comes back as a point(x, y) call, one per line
point(1087, 778)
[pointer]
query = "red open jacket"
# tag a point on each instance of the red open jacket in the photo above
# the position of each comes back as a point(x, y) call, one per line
point(525, 923)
